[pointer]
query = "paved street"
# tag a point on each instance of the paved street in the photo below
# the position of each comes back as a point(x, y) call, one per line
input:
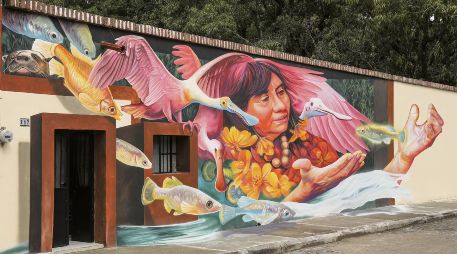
point(434, 237)
point(438, 235)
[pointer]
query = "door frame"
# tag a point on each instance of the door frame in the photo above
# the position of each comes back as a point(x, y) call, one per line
point(42, 177)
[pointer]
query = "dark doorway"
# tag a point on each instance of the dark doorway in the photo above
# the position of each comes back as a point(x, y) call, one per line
point(73, 187)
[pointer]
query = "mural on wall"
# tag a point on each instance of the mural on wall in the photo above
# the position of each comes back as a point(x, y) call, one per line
point(275, 141)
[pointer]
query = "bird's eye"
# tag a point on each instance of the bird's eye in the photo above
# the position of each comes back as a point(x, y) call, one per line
point(53, 35)
point(86, 51)
point(111, 110)
point(145, 163)
point(209, 204)
point(312, 103)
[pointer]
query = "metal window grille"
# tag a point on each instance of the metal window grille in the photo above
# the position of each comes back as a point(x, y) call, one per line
point(165, 154)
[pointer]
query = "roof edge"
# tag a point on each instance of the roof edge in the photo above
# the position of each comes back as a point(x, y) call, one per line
point(62, 12)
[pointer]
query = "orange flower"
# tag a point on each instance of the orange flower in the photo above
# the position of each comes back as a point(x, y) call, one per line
point(235, 139)
point(258, 180)
point(282, 189)
point(240, 166)
point(322, 154)
point(299, 131)
point(265, 147)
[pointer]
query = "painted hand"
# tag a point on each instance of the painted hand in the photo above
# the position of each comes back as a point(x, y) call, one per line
point(419, 137)
point(317, 180)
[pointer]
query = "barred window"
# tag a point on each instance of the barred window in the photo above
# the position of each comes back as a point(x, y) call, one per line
point(171, 153)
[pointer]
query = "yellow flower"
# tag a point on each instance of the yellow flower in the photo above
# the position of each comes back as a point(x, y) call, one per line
point(240, 166)
point(299, 131)
point(235, 139)
point(258, 180)
point(265, 147)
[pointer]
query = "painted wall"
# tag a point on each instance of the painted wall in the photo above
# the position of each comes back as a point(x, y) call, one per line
point(15, 156)
point(274, 136)
point(433, 174)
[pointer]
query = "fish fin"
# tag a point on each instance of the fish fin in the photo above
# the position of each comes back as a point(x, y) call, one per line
point(147, 194)
point(44, 47)
point(167, 205)
point(171, 182)
point(247, 218)
point(188, 208)
point(176, 213)
point(226, 214)
point(85, 99)
point(76, 53)
point(402, 136)
point(269, 220)
point(55, 68)
point(386, 141)
point(245, 201)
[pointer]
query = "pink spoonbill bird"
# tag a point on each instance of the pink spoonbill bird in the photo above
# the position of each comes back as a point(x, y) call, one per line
point(162, 95)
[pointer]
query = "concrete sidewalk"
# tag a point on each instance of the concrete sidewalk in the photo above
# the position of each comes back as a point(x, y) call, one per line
point(293, 235)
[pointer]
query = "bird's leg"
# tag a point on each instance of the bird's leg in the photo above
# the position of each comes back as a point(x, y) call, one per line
point(192, 126)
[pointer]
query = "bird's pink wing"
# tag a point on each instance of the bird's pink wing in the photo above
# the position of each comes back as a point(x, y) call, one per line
point(187, 60)
point(304, 84)
point(213, 77)
point(339, 133)
point(140, 66)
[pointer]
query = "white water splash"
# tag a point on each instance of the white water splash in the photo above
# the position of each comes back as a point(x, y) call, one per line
point(351, 193)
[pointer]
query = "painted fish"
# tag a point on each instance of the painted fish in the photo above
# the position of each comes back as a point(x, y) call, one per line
point(27, 61)
point(79, 35)
point(378, 134)
point(131, 155)
point(32, 25)
point(178, 197)
point(75, 69)
point(262, 211)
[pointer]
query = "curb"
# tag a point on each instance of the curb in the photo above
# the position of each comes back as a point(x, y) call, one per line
point(299, 243)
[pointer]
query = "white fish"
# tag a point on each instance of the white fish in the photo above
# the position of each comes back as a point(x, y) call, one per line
point(131, 155)
point(79, 35)
point(32, 25)
point(262, 211)
point(178, 197)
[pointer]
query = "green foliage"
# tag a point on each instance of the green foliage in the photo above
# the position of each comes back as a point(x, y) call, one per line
point(358, 92)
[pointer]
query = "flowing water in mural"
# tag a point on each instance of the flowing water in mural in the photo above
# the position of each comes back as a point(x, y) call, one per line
point(351, 193)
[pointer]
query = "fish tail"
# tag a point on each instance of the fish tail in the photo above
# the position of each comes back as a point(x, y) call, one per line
point(44, 47)
point(55, 68)
point(227, 214)
point(147, 194)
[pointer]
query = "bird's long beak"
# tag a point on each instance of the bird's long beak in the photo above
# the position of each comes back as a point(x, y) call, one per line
point(220, 184)
point(247, 118)
point(324, 109)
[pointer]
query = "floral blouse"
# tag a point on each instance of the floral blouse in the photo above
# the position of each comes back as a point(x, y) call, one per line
point(256, 163)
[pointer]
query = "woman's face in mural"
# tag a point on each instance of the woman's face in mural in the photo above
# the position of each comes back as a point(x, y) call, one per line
point(272, 109)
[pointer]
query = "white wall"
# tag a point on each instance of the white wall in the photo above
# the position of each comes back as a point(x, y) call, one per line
point(433, 174)
point(15, 157)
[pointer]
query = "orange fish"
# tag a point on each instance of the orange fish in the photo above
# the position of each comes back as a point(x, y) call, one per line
point(75, 69)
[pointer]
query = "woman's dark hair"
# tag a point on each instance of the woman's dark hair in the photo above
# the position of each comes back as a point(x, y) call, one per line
point(251, 78)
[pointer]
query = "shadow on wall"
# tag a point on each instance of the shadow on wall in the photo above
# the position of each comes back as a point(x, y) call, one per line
point(24, 191)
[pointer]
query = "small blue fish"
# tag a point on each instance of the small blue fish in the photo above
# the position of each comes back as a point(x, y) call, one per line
point(262, 211)
point(79, 35)
point(32, 25)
